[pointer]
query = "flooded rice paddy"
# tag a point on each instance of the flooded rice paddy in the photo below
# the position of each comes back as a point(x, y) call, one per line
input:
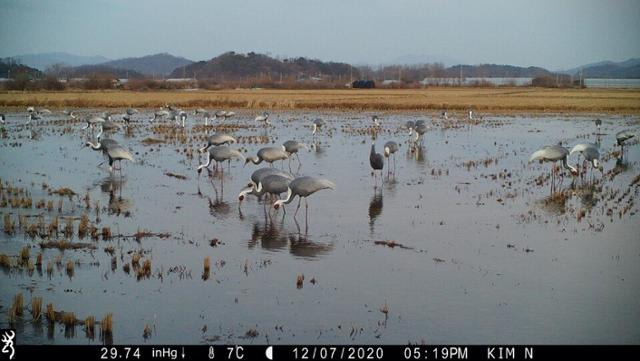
point(463, 243)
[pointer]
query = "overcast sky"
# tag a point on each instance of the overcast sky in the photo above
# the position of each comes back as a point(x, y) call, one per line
point(549, 33)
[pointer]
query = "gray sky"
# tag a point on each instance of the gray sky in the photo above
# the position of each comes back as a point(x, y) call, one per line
point(549, 33)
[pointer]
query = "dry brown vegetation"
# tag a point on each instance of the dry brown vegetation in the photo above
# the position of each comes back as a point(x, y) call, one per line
point(481, 99)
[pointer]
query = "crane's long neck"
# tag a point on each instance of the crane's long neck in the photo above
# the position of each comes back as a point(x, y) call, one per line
point(567, 166)
point(208, 162)
point(315, 128)
point(287, 200)
point(247, 191)
point(260, 190)
point(97, 146)
point(100, 132)
point(255, 160)
point(205, 148)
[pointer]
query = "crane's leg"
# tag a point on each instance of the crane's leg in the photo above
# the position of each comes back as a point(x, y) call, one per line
point(306, 216)
point(297, 208)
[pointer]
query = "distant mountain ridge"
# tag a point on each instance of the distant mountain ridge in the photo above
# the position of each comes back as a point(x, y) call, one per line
point(628, 69)
point(42, 61)
point(156, 64)
point(232, 65)
point(496, 71)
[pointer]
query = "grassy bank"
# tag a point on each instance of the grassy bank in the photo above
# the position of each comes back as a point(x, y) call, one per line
point(481, 99)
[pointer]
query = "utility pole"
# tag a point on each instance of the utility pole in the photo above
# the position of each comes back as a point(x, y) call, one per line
point(460, 75)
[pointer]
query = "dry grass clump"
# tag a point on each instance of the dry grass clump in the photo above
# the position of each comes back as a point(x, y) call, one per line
point(207, 268)
point(51, 313)
point(68, 227)
point(83, 227)
point(9, 224)
point(70, 268)
point(5, 261)
point(90, 327)
point(36, 308)
point(63, 191)
point(145, 270)
point(106, 233)
point(24, 254)
point(106, 326)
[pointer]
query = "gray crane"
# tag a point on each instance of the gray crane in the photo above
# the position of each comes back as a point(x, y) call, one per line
point(179, 116)
point(590, 153)
point(131, 111)
point(622, 137)
point(317, 125)
point(553, 153)
point(229, 114)
point(269, 155)
point(376, 121)
point(292, 147)
point(264, 118)
point(70, 113)
point(390, 148)
point(410, 125)
point(115, 152)
point(160, 114)
point(220, 114)
point(273, 184)
point(218, 139)
point(419, 130)
point(303, 187)
point(94, 121)
point(2, 118)
point(376, 161)
point(220, 154)
point(32, 116)
point(256, 176)
point(598, 122)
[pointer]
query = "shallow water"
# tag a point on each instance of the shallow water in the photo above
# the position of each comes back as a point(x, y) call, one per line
point(484, 255)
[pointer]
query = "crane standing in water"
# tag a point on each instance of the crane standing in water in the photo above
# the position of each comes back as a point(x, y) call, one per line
point(553, 153)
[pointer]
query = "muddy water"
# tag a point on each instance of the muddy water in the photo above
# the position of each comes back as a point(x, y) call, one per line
point(482, 254)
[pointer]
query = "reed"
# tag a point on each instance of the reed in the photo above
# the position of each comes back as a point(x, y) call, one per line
point(70, 268)
point(83, 227)
point(18, 304)
point(9, 225)
point(51, 314)
point(207, 268)
point(69, 319)
point(5, 261)
point(90, 326)
point(68, 227)
point(24, 254)
point(106, 325)
point(36, 308)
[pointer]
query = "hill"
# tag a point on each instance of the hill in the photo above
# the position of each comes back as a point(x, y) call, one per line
point(236, 66)
point(11, 69)
point(87, 71)
point(495, 71)
point(157, 64)
point(42, 61)
point(628, 69)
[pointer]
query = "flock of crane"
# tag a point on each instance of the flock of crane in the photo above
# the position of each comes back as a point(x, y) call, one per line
point(274, 182)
